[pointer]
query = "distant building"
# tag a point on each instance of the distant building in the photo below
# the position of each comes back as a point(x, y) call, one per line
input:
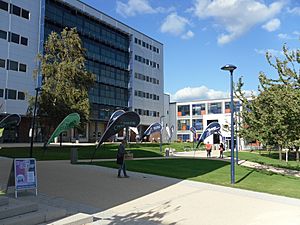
point(199, 114)
point(127, 63)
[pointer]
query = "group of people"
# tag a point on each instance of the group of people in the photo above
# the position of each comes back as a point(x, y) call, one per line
point(208, 148)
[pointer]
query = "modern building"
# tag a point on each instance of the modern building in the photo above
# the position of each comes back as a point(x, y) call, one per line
point(199, 114)
point(127, 63)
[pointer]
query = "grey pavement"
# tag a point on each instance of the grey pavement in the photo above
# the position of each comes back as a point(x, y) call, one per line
point(150, 199)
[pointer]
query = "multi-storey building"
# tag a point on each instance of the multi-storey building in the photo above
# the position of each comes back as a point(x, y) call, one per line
point(127, 63)
point(199, 114)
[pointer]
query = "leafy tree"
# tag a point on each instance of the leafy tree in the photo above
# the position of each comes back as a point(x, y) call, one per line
point(65, 79)
point(273, 117)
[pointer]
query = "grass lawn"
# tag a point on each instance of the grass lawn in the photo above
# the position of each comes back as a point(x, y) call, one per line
point(269, 159)
point(215, 172)
point(106, 151)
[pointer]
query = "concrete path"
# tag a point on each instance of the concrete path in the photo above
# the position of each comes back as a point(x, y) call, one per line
point(149, 199)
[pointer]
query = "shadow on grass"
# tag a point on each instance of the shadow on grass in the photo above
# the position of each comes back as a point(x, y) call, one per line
point(244, 177)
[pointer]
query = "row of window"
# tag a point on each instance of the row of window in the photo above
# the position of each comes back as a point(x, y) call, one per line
point(185, 124)
point(144, 112)
point(13, 37)
point(146, 45)
point(13, 65)
point(12, 94)
point(13, 9)
point(200, 109)
point(146, 95)
point(146, 78)
point(146, 61)
point(90, 27)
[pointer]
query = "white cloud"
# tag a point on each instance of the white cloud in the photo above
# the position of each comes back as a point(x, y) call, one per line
point(236, 16)
point(188, 35)
point(134, 7)
point(273, 52)
point(295, 11)
point(197, 93)
point(272, 25)
point(174, 24)
point(294, 36)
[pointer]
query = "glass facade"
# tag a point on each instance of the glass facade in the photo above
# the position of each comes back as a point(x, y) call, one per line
point(107, 55)
point(198, 109)
point(236, 105)
point(215, 108)
point(183, 110)
point(183, 137)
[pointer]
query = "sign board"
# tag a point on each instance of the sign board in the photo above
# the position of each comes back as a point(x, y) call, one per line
point(25, 174)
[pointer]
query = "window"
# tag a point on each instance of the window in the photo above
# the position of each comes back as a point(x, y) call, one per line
point(15, 10)
point(25, 14)
point(1, 93)
point(183, 110)
point(2, 63)
point(183, 124)
point(22, 67)
point(24, 41)
point(198, 109)
point(15, 38)
point(21, 95)
point(215, 108)
point(4, 5)
point(198, 124)
point(135, 40)
point(3, 34)
point(10, 94)
point(12, 65)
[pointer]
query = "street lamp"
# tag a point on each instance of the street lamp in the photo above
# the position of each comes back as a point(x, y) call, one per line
point(33, 119)
point(231, 68)
point(160, 137)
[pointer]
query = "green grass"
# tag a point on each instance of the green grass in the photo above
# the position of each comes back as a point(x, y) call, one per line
point(107, 151)
point(215, 172)
point(271, 159)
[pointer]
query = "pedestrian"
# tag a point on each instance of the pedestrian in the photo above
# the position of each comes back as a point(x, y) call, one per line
point(221, 148)
point(120, 159)
point(208, 148)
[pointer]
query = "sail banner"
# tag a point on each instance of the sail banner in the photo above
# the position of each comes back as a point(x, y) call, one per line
point(212, 128)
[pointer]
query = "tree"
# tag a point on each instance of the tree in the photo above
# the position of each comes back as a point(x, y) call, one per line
point(273, 117)
point(65, 79)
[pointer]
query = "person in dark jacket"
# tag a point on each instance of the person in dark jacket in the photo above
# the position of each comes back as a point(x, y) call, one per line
point(120, 159)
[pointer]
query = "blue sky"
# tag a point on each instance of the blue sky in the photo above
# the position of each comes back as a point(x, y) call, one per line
point(200, 36)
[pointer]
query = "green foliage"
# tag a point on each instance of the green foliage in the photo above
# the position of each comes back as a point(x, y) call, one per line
point(65, 79)
point(273, 117)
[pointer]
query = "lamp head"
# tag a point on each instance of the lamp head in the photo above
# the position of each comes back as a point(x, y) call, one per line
point(229, 67)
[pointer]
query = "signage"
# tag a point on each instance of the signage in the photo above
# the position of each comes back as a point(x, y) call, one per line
point(25, 174)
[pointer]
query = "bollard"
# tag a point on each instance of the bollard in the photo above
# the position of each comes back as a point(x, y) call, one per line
point(74, 155)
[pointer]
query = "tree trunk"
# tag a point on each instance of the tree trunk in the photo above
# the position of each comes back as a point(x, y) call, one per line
point(287, 155)
point(280, 153)
point(297, 154)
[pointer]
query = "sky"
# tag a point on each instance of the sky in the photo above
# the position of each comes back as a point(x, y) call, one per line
point(201, 36)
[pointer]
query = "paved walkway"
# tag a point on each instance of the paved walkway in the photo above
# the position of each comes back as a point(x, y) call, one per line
point(149, 199)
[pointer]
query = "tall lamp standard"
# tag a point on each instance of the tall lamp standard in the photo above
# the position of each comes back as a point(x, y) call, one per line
point(160, 138)
point(231, 68)
point(33, 119)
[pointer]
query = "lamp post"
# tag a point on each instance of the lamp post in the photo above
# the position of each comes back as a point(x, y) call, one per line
point(160, 137)
point(33, 119)
point(231, 68)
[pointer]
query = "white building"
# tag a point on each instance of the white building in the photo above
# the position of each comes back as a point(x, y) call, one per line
point(199, 114)
point(128, 64)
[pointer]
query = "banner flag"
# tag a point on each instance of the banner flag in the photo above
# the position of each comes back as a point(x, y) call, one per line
point(70, 121)
point(193, 130)
point(1, 132)
point(120, 121)
point(168, 132)
point(153, 128)
point(212, 128)
point(114, 116)
point(10, 121)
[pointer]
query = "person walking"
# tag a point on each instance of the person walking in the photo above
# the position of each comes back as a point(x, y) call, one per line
point(208, 148)
point(221, 148)
point(120, 159)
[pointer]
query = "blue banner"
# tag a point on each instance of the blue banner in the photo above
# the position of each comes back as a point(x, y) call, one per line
point(153, 128)
point(193, 130)
point(212, 128)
